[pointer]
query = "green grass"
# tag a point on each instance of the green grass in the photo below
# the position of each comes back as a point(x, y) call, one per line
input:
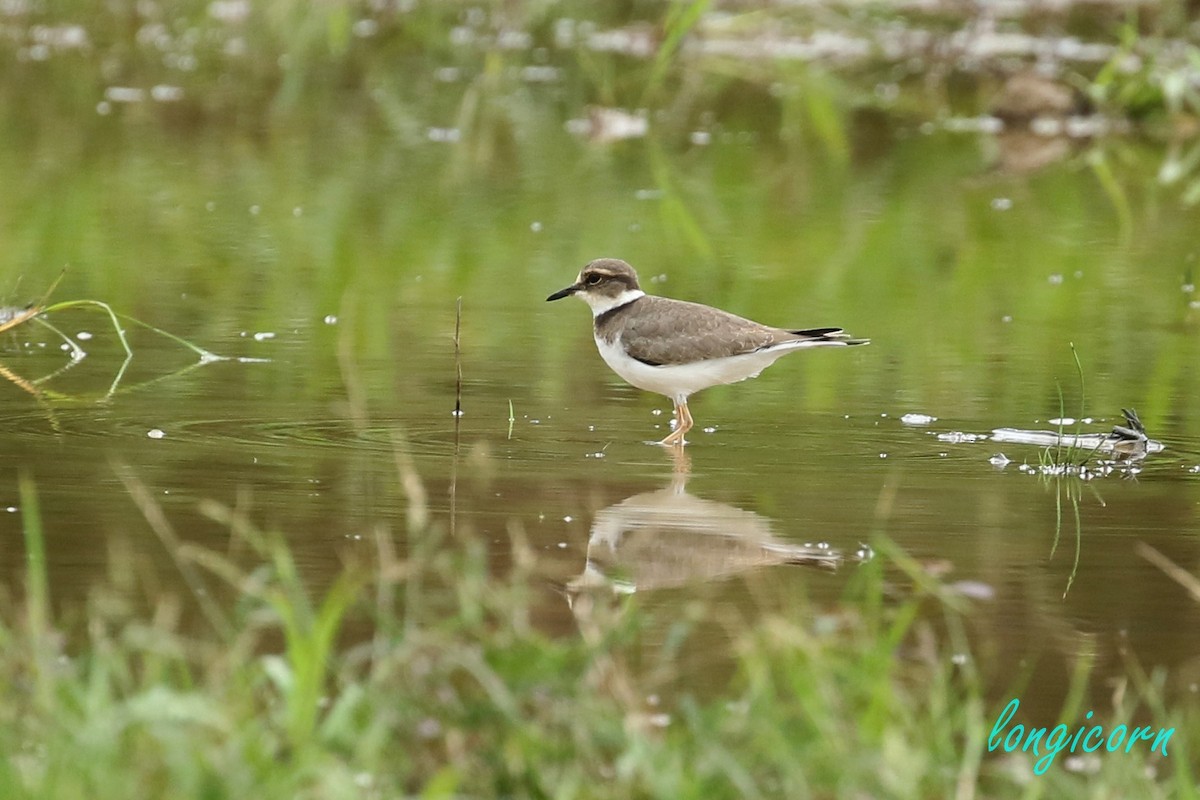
point(425, 677)
point(1065, 468)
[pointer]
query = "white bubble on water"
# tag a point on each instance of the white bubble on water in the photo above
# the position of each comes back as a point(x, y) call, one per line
point(124, 94)
point(443, 134)
point(163, 93)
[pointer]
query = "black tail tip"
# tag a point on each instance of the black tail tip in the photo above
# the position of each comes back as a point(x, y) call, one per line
point(832, 335)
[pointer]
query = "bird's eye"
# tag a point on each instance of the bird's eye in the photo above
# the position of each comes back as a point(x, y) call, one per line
point(593, 279)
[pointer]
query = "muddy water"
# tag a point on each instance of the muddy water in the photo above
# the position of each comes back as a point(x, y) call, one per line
point(341, 275)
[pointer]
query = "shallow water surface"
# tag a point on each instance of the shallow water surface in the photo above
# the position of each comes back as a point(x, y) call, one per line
point(973, 283)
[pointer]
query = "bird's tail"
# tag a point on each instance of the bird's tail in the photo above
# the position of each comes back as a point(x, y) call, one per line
point(831, 336)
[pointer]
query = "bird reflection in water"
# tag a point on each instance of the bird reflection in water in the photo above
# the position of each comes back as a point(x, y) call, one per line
point(659, 540)
point(669, 538)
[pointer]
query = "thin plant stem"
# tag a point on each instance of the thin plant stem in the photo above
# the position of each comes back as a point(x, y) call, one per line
point(1062, 410)
point(112, 388)
point(77, 352)
point(112, 315)
point(680, 20)
point(457, 416)
point(458, 375)
point(153, 514)
point(37, 591)
point(205, 355)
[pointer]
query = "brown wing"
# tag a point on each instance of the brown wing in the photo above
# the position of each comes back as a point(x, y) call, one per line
point(675, 332)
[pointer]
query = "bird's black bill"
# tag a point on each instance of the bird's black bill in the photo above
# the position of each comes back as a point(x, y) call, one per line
point(561, 293)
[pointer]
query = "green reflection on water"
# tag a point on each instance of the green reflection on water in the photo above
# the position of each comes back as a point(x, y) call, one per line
point(971, 283)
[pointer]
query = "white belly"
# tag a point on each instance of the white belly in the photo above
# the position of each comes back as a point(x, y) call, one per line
point(679, 381)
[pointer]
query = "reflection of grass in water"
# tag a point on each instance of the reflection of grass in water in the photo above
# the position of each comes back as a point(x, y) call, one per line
point(424, 675)
point(1073, 485)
